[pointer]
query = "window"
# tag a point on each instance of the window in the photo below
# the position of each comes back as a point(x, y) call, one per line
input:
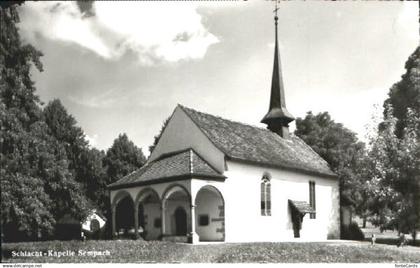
point(203, 220)
point(157, 223)
point(312, 198)
point(266, 195)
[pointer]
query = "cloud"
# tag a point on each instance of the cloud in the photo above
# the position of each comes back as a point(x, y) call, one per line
point(154, 31)
point(104, 100)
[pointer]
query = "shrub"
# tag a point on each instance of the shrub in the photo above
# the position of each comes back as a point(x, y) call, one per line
point(352, 232)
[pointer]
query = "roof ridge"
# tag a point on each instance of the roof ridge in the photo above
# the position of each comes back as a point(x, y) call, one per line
point(131, 173)
point(191, 160)
point(169, 154)
point(205, 161)
point(225, 119)
point(191, 152)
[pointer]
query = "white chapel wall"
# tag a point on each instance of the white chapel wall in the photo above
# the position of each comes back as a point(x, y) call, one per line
point(211, 205)
point(243, 220)
point(152, 213)
point(181, 133)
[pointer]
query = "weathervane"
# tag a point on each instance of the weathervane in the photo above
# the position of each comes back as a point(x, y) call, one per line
point(276, 18)
point(276, 9)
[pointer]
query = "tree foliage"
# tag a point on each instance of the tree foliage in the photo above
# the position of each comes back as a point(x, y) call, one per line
point(64, 128)
point(394, 171)
point(157, 137)
point(123, 158)
point(339, 147)
point(47, 169)
point(405, 94)
point(394, 157)
point(37, 187)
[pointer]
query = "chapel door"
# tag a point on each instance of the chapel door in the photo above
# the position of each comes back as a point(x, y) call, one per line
point(180, 221)
point(297, 218)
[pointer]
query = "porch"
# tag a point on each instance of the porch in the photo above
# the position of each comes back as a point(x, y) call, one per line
point(182, 207)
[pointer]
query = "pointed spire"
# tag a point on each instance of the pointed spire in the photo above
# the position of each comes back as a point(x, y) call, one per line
point(277, 118)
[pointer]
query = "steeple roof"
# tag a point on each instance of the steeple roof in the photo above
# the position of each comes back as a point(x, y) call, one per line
point(277, 113)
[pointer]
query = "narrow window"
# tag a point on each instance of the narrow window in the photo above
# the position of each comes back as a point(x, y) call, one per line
point(268, 197)
point(262, 198)
point(312, 198)
point(265, 195)
point(203, 220)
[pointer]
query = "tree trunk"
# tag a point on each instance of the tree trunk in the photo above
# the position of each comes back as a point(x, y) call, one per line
point(364, 222)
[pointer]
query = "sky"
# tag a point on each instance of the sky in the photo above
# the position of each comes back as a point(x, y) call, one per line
point(122, 67)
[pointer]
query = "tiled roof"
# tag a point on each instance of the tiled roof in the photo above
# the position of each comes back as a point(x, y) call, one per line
point(301, 206)
point(248, 143)
point(186, 163)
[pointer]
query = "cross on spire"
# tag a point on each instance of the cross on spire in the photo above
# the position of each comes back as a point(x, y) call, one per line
point(276, 9)
point(277, 117)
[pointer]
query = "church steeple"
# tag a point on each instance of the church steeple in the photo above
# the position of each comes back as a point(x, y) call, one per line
point(277, 118)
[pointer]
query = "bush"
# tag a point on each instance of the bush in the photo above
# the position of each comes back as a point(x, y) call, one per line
point(352, 232)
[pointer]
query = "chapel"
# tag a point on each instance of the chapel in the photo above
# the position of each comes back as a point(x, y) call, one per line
point(213, 179)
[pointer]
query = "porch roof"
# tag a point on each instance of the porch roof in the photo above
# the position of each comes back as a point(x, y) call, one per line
point(172, 166)
point(301, 206)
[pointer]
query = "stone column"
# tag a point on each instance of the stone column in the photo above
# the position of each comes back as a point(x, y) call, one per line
point(114, 222)
point(193, 235)
point(163, 218)
point(136, 221)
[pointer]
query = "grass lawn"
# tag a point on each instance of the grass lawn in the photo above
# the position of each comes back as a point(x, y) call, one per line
point(168, 252)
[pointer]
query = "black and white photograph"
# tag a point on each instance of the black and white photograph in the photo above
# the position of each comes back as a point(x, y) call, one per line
point(210, 132)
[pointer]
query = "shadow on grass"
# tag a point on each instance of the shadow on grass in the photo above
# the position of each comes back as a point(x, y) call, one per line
point(393, 241)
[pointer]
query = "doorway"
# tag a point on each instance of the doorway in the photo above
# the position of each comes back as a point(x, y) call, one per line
point(180, 221)
point(297, 219)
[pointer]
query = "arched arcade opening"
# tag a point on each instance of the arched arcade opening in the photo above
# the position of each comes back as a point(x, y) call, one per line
point(177, 212)
point(124, 216)
point(210, 214)
point(149, 214)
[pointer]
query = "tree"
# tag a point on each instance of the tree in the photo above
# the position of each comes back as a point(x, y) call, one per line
point(409, 182)
point(394, 155)
point(339, 147)
point(122, 158)
point(37, 187)
point(59, 183)
point(394, 167)
point(64, 128)
point(380, 162)
point(28, 216)
point(85, 163)
point(19, 109)
point(96, 182)
point(157, 137)
point(405, 94)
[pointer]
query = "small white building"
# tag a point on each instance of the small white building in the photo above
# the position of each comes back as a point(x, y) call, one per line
point(94, 222)
point(212, 179)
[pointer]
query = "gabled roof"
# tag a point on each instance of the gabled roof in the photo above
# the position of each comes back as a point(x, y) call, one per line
point(173, 166)
point(256, 145)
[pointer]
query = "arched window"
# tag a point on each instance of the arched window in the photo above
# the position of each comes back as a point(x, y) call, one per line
point(266, 195)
